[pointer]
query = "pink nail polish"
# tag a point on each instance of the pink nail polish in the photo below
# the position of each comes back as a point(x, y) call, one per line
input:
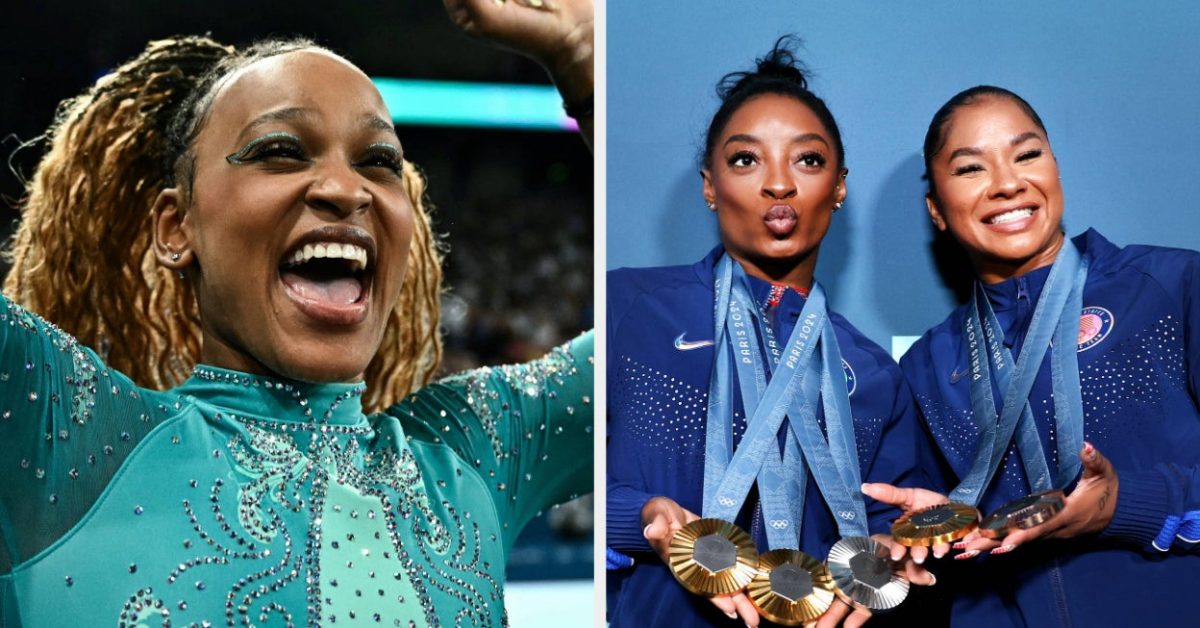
point(1004, 549)
point(967, 555)
point(960, 546)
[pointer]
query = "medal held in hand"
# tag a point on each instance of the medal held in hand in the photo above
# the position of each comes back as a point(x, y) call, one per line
point(1023, 513)
point(944, 523)
point(791, 587)
point(863, 572)
point(713, 557)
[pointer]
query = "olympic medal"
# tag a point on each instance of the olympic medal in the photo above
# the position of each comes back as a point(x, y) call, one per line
point(943, 523)
point(712, 557)
point(791, 587)
point(863, 572)
point(1023, 513)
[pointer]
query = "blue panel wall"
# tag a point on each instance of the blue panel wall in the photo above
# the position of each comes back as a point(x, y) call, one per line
point(1117, 84)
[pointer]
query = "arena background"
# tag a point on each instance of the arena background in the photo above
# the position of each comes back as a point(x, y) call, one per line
point(1115, 82)
point(515, 205)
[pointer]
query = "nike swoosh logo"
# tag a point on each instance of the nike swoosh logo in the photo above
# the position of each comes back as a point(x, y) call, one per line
point(688, 345)
point(957, 375)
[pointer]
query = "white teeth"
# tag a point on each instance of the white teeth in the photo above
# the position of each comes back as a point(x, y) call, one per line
point(1010, 216)
point(331, 250)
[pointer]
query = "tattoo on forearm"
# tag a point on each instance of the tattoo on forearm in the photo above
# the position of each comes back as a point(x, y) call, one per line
point(1104, 497)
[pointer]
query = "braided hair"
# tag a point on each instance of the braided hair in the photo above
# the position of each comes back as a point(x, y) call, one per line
point(83, 255)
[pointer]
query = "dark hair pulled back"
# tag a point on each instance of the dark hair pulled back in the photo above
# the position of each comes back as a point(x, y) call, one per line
point(939, 126)
point(778, 72)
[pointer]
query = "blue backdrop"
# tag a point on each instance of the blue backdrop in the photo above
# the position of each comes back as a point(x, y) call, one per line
point(1117, 84)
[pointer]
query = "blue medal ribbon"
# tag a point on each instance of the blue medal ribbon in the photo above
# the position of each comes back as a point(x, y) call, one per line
point(799, 373)
point(1055, 316)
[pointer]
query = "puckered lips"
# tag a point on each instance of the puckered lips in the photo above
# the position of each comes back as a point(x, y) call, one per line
point(781, 220)
point(1011, 219)
point(328, 272)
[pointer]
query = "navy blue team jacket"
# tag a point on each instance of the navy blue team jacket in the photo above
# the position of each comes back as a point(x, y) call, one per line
point(1139, 364)
point(660, 356)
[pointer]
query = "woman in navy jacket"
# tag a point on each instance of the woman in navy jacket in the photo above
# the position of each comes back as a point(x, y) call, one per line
point(774, 173)
point(1123, 550)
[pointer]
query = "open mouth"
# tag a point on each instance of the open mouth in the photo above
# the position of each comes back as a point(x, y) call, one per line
point(331, 281)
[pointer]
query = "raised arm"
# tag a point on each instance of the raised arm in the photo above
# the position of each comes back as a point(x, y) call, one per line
point(555, 33)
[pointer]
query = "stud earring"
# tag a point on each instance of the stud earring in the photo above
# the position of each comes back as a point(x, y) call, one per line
point(837, 206)
point(711, 205)
point(176, 256)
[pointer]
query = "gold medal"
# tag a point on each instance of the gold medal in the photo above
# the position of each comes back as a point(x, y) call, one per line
point(864, 574)
point(943, 523)
point(791, 587)
point(1021, 514)
point(712, 557)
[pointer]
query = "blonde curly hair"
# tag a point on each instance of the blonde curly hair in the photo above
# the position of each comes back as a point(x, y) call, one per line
point(83, 256)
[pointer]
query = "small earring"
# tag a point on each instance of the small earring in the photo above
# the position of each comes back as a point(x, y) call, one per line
point(711, 205)
point(176, 256)
point(837, 206)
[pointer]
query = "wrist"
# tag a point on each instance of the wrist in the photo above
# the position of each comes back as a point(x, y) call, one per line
point(572, 69)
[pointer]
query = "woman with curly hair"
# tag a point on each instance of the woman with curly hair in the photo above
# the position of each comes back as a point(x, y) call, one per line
point(231, 264)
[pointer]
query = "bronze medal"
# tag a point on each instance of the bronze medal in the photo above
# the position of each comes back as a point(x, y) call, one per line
point(712, 557)
point(865, 575)
point(943, 523)
point(791, 588)
point(1023, 513)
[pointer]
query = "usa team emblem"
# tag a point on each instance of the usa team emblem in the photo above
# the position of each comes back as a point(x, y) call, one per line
point(1095, 323)
point(851, 380)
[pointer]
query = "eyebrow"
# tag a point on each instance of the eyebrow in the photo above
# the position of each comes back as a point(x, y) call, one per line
point(293, 114)
point(798, 139)
point(289, 114)
point(971, 151)
point(376, 123)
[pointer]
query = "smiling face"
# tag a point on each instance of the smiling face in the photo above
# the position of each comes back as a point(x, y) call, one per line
point(774, 177)
point(994, 185)
point(296, 229)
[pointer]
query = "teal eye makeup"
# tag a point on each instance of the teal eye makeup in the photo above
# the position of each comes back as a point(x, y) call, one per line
point(274, 144)
point(383, 155)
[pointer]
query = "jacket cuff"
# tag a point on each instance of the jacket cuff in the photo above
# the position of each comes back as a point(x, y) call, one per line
point(624, 520)
point(1142, 508)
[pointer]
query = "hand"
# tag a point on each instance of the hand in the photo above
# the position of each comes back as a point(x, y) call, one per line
point(555, 33)
point(1088, 509)
point(909, 500)
point(663, 518)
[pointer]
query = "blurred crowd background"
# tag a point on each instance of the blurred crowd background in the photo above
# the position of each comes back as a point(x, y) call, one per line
point(514, 206)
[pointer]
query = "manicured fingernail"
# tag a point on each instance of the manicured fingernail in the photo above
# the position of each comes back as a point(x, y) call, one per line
point(961, 545)
point(863, 488)
point(731, 615)
point(646, 531)
point(918, 559)
point(967, 555)
point(1004, 549)
point(932, 580)
point(939, 554)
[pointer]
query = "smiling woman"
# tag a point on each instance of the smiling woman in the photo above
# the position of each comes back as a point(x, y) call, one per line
point(268, 276)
